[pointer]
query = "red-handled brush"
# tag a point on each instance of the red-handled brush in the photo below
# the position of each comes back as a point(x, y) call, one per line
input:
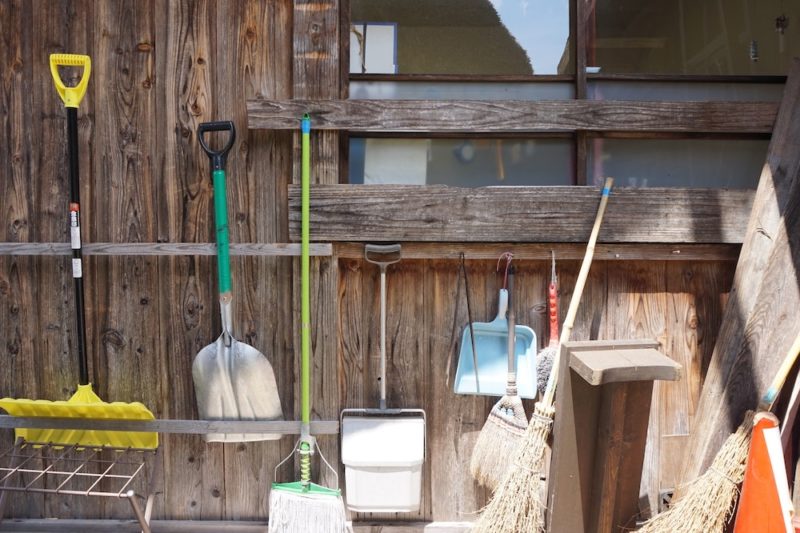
point(544, 361)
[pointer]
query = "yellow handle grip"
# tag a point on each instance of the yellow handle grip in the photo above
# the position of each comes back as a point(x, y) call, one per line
point(71, 96)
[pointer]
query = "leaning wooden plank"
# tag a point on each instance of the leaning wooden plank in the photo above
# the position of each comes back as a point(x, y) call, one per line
point(482, 116)
point(520, 214)
point(756, 327)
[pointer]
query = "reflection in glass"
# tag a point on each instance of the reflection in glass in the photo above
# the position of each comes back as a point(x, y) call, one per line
point(678, 91)
point(468, 90)
point(707, 163)
point(702, 37)
point(466, 37)
point(461, 162)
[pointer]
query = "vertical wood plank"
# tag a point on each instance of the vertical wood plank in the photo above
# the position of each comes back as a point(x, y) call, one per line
point(241, 66)
point(621, 447)
point(593, 320)
point(637, 309)
point(315, 74)
point(454, 420)
point(60, 28)
point(124, 352)
point(194, 488)
point(695, 295)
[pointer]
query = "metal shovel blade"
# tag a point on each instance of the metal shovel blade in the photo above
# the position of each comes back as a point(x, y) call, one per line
point(234, 381)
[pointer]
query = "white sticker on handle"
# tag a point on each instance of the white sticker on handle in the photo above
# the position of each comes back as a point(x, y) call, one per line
point(77, 268)
point(75, 237)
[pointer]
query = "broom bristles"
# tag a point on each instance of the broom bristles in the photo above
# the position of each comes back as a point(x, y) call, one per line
point(544, 365)
point(516, 505)
point(291, 512)
point(709, 501)
point(498, 441)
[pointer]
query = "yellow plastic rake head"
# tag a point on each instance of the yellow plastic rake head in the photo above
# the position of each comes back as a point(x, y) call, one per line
point(83, 404)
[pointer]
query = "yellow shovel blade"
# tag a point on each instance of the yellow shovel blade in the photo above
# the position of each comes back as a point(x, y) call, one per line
point(83, 404)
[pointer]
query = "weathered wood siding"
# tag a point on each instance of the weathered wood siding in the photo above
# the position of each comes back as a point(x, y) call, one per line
point(161, 68)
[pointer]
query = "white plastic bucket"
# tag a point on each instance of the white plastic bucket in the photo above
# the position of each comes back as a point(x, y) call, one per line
point(383, 457)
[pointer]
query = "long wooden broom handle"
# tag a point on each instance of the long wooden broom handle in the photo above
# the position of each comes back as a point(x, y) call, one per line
point(768, 400)
point(572, 311)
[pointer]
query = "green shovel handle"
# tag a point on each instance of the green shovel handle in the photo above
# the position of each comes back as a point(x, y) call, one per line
point(223, 238)
point(218, 159)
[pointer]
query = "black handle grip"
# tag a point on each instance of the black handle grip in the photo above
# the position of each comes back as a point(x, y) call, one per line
point(217, 157)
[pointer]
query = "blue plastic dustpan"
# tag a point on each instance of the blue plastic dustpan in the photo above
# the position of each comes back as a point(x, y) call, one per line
point(491, 339)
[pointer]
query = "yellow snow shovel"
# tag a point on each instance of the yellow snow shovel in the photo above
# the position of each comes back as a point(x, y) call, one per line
point(84, 403)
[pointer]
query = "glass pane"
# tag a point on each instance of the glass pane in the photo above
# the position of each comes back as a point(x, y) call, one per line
point(713, 37)
point(722, 163)
point(683, 91)
point(412, 90)
point(462, 162)
point(467, 37)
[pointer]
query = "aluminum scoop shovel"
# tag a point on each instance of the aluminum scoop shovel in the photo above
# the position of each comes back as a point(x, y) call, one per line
point(232, 380)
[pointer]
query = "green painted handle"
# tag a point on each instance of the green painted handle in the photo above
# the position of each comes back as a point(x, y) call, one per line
point(305, 299)
point(221, 221)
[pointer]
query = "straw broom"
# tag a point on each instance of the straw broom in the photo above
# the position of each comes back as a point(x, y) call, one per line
point(708, 503)
point(516, 505)
point(506, 423)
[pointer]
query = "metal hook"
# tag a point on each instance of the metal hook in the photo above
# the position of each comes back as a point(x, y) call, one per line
point(508, 257)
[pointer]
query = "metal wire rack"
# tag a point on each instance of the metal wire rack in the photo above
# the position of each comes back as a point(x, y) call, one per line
point(36, 467)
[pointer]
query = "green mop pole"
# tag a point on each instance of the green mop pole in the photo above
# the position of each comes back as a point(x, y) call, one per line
point(305, 305)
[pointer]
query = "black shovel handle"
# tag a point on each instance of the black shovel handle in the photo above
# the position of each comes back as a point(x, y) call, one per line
point(218, 157)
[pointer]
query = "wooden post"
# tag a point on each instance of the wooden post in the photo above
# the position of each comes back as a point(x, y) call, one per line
point(602, 414)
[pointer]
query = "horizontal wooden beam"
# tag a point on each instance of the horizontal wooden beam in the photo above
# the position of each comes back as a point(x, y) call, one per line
point(40, 525)
point(196, 427)
point(161, 249)
point(565, 252)
point(70, 525)
point(489, 116)
point(520, 214)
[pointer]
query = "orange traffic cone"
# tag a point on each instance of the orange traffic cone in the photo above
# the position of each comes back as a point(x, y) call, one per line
point(765, 505)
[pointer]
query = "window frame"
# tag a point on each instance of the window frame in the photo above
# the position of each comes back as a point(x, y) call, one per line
point(579, 34)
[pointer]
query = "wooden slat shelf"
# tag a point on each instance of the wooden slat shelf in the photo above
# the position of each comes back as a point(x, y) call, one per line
point(197, 427)
point(162, 249)
point(565, 252)
point(488, 116)
point(40, 525)
point(521, 214)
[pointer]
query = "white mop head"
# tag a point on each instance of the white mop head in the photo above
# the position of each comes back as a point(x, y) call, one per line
point(291, 512)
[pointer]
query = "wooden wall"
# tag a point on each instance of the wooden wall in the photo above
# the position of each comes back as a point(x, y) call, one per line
point(159, 69)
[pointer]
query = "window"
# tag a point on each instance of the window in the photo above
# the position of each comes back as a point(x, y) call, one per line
point(694, 37)
point(672, 50)
point(463, 162)
point(460, 37)
point(726, 163)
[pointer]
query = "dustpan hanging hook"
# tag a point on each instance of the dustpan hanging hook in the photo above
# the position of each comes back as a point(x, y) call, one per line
point(508, 256)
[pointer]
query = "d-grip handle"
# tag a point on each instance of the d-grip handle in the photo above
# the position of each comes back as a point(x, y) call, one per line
point(71, 96)
point(218, 157)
